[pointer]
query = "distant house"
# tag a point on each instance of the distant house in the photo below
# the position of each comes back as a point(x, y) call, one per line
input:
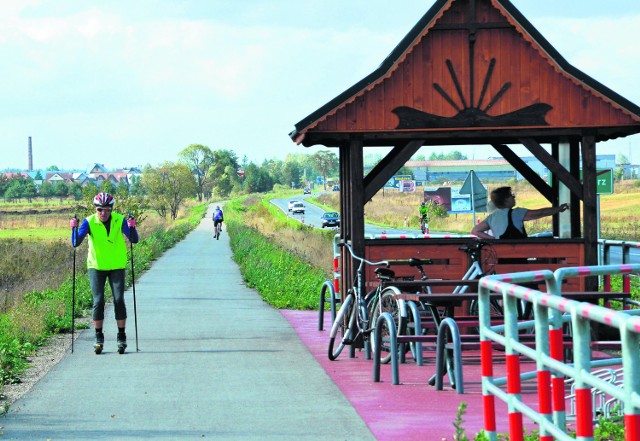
point(97, 169)
point(11, 175)
point(98, 174)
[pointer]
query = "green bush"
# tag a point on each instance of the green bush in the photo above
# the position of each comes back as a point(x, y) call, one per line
point(283, 280)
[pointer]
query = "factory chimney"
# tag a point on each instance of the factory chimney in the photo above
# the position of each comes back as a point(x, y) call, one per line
point(30, 156)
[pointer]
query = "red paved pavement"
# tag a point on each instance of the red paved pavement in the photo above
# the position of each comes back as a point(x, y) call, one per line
point(412, 410)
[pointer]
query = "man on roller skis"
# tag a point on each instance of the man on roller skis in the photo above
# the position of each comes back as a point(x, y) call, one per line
point(106, 259)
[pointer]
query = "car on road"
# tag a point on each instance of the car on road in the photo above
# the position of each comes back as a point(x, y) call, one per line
point(307, 190)
point(336, 188)
point(291, 204)
point(298, 207)
point(330, 219)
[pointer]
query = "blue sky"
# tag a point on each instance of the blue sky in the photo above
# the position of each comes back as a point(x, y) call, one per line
point(133, 82)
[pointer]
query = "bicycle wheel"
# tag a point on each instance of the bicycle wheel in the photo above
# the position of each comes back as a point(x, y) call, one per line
point(387, 303)
point(341, 328)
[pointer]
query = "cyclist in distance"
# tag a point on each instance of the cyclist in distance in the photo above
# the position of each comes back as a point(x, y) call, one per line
point(218, 218)
point(106, 259)
point(424, 214)
point(507, 222)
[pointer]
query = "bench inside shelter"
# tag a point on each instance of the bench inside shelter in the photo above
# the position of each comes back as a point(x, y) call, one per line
point(449, 262)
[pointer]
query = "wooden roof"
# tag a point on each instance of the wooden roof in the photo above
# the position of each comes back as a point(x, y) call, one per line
point(471, 72)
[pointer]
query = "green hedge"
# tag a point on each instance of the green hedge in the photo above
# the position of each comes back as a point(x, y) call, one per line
point(281, 278)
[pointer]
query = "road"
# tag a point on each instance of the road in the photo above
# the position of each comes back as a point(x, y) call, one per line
point(313, 214)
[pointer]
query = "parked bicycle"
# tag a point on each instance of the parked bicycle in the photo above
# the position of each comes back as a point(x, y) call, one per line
point(483, 261)
point(354, 322)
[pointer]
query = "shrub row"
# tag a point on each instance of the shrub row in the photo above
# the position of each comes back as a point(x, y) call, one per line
point(283, 279)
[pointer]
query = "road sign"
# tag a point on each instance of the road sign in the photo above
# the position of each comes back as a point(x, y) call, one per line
point(604, 181)
point(478, 193)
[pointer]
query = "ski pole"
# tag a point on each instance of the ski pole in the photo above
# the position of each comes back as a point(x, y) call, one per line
point(73, 284)
point(133, 285)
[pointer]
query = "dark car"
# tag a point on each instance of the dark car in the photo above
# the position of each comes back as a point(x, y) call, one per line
point(336, 188)
point(330, 219)
point(307, 190)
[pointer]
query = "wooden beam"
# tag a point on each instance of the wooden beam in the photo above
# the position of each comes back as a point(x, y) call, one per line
point(356, 211)
point(563, 175)
point(390, 164)
point(345, 225)
point(589, 206)
point(526, 171)
point(576, 224)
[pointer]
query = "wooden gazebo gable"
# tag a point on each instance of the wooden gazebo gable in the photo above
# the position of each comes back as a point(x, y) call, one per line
point(476, 67)
point(473, 72)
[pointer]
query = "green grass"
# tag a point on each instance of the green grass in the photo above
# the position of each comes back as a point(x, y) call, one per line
point(37, 235)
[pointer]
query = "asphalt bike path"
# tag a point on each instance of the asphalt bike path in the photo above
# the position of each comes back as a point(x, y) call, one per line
point(215, 362)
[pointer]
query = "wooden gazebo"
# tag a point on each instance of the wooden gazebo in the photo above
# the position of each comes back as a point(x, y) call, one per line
point(475, 72)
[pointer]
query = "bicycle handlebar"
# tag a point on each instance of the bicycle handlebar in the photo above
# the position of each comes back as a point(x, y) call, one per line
point(363, 260)
point(474, 245)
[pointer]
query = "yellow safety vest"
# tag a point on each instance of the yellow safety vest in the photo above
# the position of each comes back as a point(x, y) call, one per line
point(106, 252)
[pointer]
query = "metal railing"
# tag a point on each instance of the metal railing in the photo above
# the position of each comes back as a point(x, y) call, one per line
point(551, 370)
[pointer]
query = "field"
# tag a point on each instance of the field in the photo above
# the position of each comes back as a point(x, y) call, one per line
point(619, 211)
point(34, 238)
point(36, 249)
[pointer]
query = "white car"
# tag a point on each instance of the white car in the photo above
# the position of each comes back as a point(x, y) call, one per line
point(291, 203)
point(298, 207)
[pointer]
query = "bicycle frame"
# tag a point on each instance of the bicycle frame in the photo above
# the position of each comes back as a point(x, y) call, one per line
point(353, 317)
point(359, 286)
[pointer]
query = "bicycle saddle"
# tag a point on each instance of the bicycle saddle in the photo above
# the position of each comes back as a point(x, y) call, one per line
point(419, 262)
point(384, 273)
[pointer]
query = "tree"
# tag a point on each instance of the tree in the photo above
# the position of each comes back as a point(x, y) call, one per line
point(122, 190)
point(4, 184)
point(325, 162)
point(199, 159)
point(226, 182)
point(46, 191)
point(61, 190)
point(29, 190)
point(168, 186)
point(108, 187)
point(257, 179)
point(136, 188)
point(220, 176)
point(15, 190)
point(75, 189)
point(89, 191)
point(291, 174)
point(451, 156)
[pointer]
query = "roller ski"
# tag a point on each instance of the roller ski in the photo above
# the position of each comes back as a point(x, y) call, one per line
point(122, 342)
point(99, 346)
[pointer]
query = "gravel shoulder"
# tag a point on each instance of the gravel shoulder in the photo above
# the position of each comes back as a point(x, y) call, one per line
point(45, 358)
